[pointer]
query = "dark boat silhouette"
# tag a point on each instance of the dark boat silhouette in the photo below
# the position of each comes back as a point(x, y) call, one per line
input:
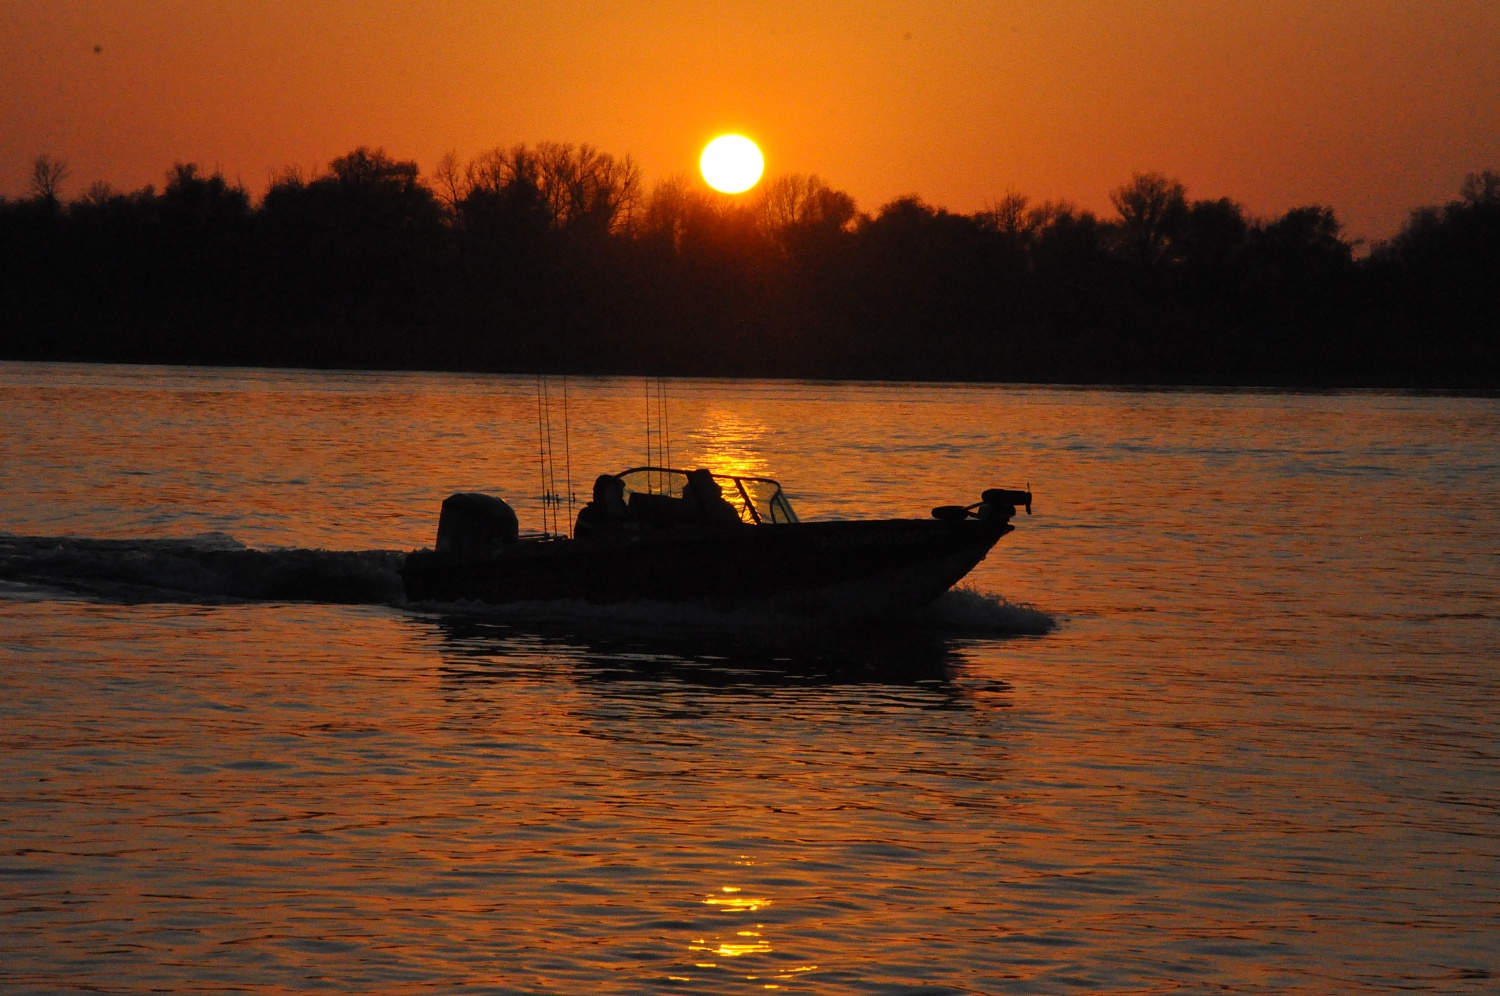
point(658, 534)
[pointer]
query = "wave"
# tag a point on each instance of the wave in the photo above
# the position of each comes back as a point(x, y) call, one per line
point(216, 568)
point(211, 567)
point(966, 609)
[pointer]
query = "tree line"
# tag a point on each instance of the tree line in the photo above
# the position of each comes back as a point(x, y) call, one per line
point(557, 258)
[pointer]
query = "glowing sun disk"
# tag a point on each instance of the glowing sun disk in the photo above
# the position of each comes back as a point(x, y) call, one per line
point(731, 164)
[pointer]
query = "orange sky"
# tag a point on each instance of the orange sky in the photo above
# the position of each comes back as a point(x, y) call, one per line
point(1372, 107)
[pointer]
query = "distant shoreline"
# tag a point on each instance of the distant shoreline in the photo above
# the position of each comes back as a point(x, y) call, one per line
point(1468, 391)
point(552, 259)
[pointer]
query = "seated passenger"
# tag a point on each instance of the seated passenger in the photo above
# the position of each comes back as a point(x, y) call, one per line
point(607, 511)
point(705, 498)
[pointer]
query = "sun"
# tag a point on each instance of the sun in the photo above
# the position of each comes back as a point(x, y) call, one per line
point(731, 164)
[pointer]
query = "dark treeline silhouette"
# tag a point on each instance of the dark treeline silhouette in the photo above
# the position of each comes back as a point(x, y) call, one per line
point(555, 258)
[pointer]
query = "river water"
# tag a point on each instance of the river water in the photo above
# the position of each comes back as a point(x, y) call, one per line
point(1219, 716)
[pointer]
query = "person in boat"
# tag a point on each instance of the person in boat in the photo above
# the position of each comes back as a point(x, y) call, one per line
point(606, 512)
point(705, 499)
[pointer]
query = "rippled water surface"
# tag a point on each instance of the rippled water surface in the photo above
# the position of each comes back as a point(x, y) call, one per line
point(1220, 716)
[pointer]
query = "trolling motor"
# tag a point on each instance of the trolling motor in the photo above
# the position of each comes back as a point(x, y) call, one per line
point(996, 503)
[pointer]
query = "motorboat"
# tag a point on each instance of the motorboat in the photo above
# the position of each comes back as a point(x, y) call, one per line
point(659, 534)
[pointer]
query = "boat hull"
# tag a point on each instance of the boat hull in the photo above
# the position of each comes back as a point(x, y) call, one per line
point(852, 568)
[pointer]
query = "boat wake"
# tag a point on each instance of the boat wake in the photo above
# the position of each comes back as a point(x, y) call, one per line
point(214, 568)
point(966, 609)
point(209, 568)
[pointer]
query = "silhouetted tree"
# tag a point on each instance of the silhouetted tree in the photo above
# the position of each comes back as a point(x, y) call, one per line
point(99, 194)
point(450, 185)
point(47, 175)
point(1152, 211)
point(1481, 188)
point(1303, 248)
point(198, 204)
point(587, 190)
point(799, 202)
point(1213, 234)
point(503, 193)
point(356, 254)
point(1011, 217)
point(580, 188)
point(670, 210)
point(1437, 278)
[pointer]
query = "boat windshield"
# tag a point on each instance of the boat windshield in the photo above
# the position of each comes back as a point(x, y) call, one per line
point(756, 500)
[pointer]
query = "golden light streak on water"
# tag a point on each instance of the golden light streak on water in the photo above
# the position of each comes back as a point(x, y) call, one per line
point(738, 904)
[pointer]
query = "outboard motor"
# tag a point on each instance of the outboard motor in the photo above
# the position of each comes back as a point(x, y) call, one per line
point(475, 523)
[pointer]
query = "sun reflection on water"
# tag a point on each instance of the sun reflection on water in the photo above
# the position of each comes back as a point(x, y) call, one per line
point(722, 952)
point(735, 903)
point(730, 443)
point(746, 942)
point(738, 949)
